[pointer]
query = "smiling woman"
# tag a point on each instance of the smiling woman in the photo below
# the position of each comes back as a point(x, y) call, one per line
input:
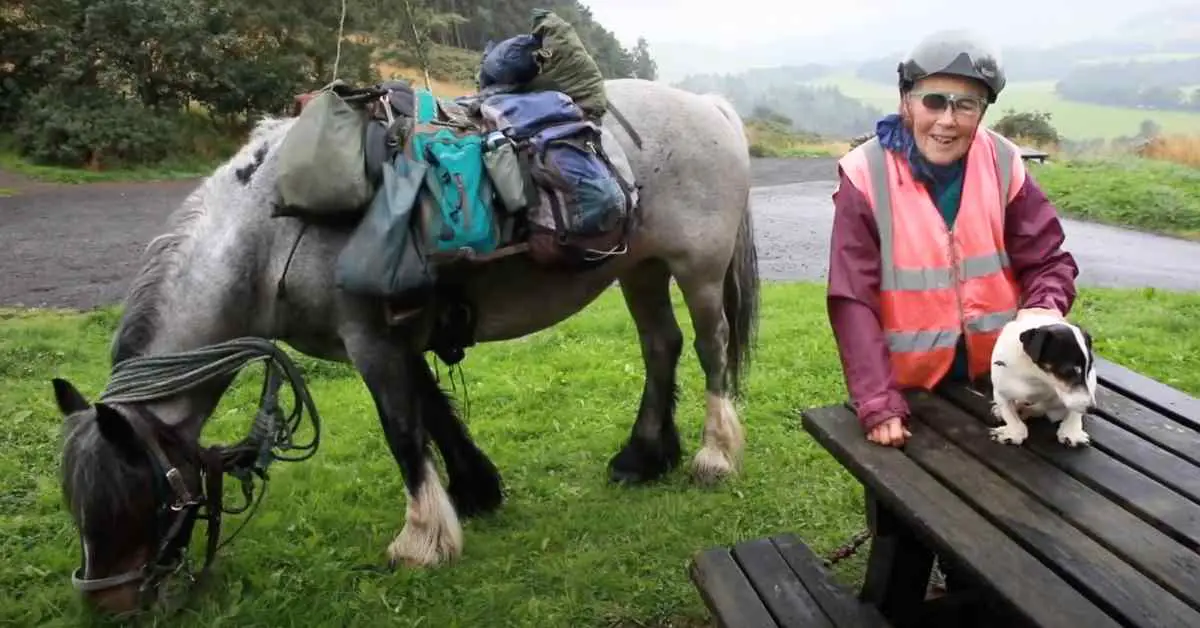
point(939, 237)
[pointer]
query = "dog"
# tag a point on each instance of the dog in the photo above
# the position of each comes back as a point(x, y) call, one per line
point(1043, 365)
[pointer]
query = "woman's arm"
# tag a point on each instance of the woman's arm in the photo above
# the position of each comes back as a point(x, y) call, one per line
point(852, 301)
point(1033, 237)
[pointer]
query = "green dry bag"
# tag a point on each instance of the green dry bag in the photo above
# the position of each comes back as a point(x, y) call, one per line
point(322, 167)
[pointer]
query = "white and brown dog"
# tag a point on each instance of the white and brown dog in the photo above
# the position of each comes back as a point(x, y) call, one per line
point(1042, 365)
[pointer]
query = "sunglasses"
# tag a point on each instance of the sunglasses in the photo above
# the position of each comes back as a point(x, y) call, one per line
point(961, 103)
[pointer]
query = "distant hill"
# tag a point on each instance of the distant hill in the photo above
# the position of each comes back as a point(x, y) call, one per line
point(782, 94)
point(1163, 35)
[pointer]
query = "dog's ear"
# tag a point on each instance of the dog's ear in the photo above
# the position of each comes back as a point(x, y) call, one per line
point(1087, 340)
point(1035, 341)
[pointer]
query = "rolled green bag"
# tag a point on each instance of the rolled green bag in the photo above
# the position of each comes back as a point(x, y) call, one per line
point(566, 65)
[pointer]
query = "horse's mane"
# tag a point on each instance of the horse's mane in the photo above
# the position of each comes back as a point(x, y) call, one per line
point(142, 307)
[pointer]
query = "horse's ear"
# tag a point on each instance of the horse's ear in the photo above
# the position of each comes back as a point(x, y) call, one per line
point(115, 429)
point(69, 399)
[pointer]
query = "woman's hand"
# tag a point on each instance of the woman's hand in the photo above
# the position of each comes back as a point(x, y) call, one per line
point(891, 433)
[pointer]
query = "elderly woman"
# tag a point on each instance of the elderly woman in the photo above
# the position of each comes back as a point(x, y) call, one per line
point(939, 238)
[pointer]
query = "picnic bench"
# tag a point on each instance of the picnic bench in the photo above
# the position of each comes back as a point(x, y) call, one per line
point(1033, 154)
point(1032, 535)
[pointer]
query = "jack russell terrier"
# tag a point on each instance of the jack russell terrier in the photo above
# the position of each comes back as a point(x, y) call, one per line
point(1042, 365)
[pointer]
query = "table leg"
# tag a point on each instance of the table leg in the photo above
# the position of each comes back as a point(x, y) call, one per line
point(898, 567)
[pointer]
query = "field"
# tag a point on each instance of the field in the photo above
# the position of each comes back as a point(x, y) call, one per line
point(1076, 121)
point(567, 549)
point(1144, 194)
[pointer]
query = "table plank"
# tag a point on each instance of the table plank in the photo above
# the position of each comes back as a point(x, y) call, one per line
point(1109, 581)
point(1132, 489)
point(718, 577)
point(1161, 464)
point(842, 607)
point(779, 588)
point(1162, 558)
point(1148, 423)
point(1180, 405)
point(950, 525)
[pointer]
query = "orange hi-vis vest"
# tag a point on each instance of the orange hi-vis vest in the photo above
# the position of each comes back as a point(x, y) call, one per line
point(937, 283)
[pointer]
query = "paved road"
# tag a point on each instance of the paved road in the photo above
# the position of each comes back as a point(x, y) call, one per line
point(78, 246)
point(793, 237)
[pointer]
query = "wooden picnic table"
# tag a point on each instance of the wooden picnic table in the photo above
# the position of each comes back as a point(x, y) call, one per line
point(1043, 534)
point(1031, 535)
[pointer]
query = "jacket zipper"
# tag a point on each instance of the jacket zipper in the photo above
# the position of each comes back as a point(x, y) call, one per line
point(957, 286)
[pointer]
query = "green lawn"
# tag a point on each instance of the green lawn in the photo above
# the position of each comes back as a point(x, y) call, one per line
point(1073, 120)
point(567, 548)
point(1142, 194)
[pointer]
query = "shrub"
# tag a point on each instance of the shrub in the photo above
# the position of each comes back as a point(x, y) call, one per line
point(91, 127)
point(1028, 127)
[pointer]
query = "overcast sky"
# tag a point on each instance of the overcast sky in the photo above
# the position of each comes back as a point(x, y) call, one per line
point(762, 31)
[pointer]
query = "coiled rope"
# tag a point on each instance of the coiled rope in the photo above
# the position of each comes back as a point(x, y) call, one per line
point(154, 377)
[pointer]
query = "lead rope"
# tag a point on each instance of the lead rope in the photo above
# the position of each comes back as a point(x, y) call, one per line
point(848, 549)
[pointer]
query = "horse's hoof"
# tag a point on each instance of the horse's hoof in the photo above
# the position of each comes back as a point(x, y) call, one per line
point(640, 462)
point(710, 466)
point(424, 550)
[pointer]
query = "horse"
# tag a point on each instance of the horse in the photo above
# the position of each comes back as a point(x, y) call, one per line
point(219, 273)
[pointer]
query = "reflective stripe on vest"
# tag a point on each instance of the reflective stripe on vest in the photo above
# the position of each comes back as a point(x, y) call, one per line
point(962, 280)
point(893, 278)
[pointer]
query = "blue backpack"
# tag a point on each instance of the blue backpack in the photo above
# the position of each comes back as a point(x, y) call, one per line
point(456, 214)
point(585, 209)
point(521, 116)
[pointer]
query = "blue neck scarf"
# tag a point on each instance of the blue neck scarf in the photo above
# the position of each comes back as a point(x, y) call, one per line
point(894, 136)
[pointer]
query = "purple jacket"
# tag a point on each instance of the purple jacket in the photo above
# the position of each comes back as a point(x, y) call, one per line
point(1033, 239)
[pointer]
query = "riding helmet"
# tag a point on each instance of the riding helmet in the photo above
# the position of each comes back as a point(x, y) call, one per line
point(959, 52)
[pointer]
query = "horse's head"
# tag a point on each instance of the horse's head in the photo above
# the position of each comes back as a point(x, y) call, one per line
point(132, 486)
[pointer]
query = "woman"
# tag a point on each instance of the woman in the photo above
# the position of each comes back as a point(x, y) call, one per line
point(910, 309)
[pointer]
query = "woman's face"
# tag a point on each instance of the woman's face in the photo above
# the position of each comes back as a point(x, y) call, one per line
point(944, 111)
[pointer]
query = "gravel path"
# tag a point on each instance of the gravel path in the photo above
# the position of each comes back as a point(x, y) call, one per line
point(77, 246)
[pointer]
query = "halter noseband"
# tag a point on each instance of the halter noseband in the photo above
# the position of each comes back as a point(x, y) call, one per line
point(180, 505)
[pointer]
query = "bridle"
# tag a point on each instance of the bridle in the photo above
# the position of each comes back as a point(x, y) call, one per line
point(146, 378)
point(176, 512)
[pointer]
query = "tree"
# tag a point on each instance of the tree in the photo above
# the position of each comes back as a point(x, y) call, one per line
point(1031, 126)
point(644, 66)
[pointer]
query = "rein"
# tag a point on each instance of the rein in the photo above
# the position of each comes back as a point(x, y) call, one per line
point(149, 378)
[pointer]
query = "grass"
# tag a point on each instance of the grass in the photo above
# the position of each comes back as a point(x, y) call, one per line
point(1074, 120)
point(567, 548)
point(772, 139)
point(1143, 194)
point(1175, 148)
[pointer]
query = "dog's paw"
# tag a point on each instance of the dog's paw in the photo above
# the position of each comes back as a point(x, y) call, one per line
point(1010, 434)
point(1073, 437)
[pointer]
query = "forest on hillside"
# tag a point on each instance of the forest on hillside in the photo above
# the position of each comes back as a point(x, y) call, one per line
point(117, 82)
point(1172, 84)
point(823, 111)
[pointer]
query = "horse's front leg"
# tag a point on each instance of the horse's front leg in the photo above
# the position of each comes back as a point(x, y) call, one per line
point(432, 532)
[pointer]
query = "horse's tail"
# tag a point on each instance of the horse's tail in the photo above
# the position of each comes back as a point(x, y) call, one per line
point(741, 276)
point(741, 301)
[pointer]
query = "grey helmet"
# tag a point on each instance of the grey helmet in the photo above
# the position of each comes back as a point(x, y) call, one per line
point(959, 52)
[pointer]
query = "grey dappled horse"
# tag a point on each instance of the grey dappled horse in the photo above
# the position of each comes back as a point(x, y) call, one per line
point(214, 277)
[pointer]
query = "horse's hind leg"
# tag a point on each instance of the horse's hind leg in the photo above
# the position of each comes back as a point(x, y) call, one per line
point(653, 448)
point(723, 437)
point(432, 532)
